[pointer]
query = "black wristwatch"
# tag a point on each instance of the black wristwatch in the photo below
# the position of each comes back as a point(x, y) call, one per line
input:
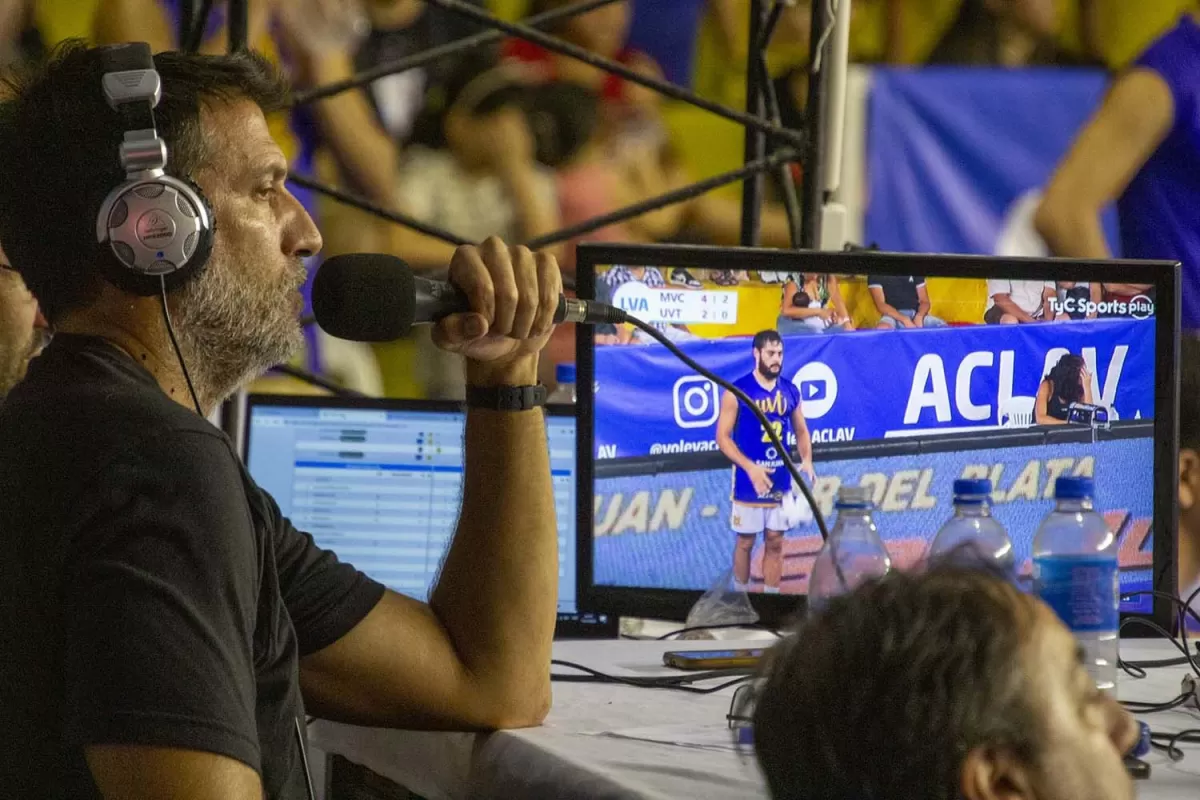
point(506, 398)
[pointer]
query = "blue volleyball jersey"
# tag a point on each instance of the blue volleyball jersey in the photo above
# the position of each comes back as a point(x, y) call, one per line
point(777, 404)
point(1158, 209)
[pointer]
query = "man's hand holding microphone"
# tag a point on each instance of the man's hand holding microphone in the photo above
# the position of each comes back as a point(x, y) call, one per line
point(512, 295)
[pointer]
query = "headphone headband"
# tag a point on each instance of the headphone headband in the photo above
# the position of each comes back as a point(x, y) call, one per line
point(158, 228)
point(132, 88)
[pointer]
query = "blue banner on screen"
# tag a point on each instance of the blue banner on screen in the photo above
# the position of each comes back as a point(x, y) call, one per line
point(671, 529)
point(873, 385)
point(956, 159)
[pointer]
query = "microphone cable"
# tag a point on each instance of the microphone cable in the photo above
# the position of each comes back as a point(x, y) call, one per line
point(768, 428)
point(1137, 669)
point(1184, 610)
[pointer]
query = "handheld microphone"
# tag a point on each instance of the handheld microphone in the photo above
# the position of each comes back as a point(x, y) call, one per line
point(374, 297)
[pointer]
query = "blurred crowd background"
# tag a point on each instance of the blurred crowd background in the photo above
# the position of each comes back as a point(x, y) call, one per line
point(518, 142)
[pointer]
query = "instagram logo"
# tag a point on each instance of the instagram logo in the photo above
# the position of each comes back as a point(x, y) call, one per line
point(696, 402)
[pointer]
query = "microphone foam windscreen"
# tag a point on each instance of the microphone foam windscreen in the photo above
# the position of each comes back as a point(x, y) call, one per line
point(364, 297)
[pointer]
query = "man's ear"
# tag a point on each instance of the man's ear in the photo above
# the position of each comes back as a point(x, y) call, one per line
point(1189, 479)
point(993, 773)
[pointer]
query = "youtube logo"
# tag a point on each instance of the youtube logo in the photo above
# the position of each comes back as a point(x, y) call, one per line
point(818, 389)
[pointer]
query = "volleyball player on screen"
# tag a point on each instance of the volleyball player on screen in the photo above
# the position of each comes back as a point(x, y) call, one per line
point(760, 479)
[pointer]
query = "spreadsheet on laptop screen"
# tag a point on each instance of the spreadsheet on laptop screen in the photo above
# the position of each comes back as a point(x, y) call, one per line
point(382, 488)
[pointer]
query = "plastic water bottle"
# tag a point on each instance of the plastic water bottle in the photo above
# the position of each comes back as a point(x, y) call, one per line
point(564, 376)
point(853, 554)
point(1075, 572)
point(973, 533)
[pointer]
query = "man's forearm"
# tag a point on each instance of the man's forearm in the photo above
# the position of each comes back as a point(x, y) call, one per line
point(363, 149)
point(534, 216)
point(733, 453)
point(497, 594)
point(1005, 304)
point(537, 214)
point(1128, 288)
point(1072, 233)
point(421, 251)
point(889, 310)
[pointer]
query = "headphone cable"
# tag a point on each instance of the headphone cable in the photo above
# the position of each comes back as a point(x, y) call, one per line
point(175, 344)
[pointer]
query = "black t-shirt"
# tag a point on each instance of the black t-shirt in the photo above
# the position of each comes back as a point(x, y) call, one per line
point(899, 291)
point(152, 593)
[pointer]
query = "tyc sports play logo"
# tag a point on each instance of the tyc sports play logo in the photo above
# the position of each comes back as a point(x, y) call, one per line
point(1138, 307)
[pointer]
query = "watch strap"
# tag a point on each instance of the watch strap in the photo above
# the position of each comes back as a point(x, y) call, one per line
point(506, 398)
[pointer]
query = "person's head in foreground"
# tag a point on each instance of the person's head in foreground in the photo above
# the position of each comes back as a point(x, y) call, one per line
point(237, 316)
point(940, 685)
point(23, 329)
point(1189, 464)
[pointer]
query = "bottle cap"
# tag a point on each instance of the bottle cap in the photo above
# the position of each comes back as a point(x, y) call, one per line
point(854, 497)
point(564, 373)
point(972, 487)
point(1074, 488)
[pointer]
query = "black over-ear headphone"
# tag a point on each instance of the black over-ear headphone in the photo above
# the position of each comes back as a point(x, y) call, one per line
point(158, 228)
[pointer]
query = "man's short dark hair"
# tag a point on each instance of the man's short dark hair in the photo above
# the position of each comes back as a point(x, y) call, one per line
point(58, 154)
point(884, 692)
point(1189, 391)
point(764, 338)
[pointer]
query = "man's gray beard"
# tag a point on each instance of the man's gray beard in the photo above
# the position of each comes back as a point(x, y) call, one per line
point(231, 331)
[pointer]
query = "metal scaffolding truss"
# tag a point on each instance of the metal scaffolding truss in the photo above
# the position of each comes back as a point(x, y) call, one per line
point(769, 145)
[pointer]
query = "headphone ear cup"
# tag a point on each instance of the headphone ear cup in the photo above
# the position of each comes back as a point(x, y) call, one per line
point(198, 260)
point(153, 233)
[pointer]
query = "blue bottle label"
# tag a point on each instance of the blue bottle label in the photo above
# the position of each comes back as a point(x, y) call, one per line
point(1083, 590)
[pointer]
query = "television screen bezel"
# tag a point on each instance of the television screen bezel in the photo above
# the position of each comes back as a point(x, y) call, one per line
point(775, 610)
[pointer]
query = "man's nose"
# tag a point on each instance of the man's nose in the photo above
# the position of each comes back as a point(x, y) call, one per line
point(39, 319)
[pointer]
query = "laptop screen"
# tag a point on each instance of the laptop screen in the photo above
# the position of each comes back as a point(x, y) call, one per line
point(379, 483)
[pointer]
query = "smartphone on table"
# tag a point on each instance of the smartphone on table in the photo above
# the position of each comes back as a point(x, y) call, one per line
point(712, 659)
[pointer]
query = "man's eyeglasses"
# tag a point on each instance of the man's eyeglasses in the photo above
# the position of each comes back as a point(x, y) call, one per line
point(741, 708)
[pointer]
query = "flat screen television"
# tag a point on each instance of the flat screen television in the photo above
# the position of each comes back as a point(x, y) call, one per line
point(910, 371)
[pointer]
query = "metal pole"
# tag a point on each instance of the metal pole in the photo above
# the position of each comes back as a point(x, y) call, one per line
point(756, 140)
point(195, 34)
point(187, 18)
point(233, 410)
point(813, 186)
point(239, 25)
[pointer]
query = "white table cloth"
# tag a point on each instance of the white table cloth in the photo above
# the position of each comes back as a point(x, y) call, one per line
point(566, 758)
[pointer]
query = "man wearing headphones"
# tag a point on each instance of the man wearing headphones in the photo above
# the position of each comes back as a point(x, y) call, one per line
point(165, 631)
point(23, 329)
